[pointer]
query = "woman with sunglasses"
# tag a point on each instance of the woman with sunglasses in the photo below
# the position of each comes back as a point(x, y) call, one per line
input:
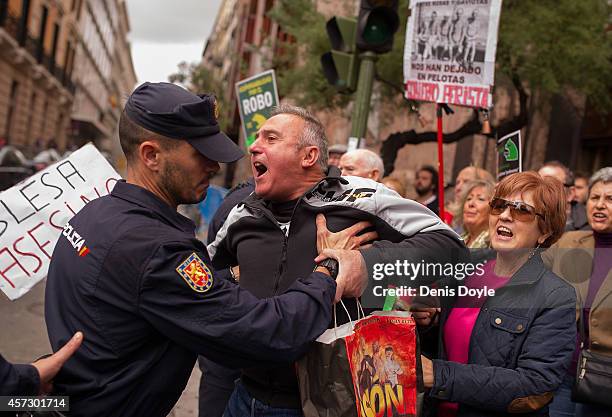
point(584, 259)
point(507, 353)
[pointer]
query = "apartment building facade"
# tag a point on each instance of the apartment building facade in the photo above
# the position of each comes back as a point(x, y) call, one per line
point(64, 66)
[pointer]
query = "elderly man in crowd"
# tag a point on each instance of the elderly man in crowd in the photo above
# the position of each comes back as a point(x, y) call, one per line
point(362, 163)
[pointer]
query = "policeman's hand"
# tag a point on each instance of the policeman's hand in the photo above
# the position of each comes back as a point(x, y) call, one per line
point(49, 367)
point(352, 274)
point(344, 239)
point(425, 316)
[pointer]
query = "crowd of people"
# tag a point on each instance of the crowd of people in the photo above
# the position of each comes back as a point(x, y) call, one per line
point(293, 240)
point(565, 225)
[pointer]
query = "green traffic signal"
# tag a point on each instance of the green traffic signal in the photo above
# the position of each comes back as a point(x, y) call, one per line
point(377, 23)
point(378, 29)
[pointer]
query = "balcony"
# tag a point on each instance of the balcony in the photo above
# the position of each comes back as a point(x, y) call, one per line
point(33, 47)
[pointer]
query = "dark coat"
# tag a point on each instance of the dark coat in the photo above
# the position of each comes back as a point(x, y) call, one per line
point(521, 346)
point(18, 379)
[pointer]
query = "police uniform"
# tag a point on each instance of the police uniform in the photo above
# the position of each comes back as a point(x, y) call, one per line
point(18, 379)
point(129, 272)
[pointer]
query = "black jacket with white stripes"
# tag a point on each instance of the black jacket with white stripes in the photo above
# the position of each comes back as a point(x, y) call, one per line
point(271, 258)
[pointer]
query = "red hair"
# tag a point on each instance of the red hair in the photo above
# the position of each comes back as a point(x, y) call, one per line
point(548, 199)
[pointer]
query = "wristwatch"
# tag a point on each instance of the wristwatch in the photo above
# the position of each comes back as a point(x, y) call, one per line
point(331, 265)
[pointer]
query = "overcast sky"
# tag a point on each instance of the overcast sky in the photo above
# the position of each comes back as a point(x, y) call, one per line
point(164, 33)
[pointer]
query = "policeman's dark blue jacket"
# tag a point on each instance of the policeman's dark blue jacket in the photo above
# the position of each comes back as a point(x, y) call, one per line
point(129, 273)
point(18, 379)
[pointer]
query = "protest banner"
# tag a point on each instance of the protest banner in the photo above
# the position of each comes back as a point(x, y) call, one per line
point(256, 96)
point(509, 155)
point(34, 212)
point(449, 55)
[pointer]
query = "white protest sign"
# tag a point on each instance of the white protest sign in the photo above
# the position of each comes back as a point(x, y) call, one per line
point(449, 55)
point(33, 214)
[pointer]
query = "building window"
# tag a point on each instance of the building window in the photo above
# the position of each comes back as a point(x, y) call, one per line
point(41, 34)
point(56, 30)
point(23, 22)
point(11, 109)
point(44, 123)
point(30, 117)
point(3, 11)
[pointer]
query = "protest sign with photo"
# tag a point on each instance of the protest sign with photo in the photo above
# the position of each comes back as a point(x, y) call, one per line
point(509, 155)
point(449, 55)
point(34, 212)
point(257, 96)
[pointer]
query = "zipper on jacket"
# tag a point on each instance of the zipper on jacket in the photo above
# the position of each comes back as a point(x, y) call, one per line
point(283, 262)
point(583, 370)
point(281, 265)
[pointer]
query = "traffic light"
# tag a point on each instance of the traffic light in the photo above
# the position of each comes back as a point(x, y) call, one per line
point(341, 65)
point(377, 23)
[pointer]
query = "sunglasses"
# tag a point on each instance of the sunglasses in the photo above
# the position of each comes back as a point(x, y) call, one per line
point(520, 211)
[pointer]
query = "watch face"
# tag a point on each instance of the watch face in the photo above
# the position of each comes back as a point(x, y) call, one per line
point(332, 266)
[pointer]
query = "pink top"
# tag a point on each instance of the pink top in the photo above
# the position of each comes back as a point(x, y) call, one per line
point(460, 323)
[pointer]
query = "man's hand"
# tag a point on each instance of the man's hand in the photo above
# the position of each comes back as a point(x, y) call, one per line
point(49, 367)
point(352, 274)
point(344, 239)
point(425, 316)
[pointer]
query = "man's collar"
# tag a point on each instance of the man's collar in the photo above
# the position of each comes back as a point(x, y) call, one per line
point(430, 200)
point(146, 199)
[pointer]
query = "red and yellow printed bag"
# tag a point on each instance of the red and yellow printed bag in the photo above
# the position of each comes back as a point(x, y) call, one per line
point(367, 368)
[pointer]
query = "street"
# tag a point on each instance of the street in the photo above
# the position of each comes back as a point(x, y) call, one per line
point(24, 338)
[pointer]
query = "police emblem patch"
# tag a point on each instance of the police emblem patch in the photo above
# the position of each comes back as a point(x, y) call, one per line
point(195, 273)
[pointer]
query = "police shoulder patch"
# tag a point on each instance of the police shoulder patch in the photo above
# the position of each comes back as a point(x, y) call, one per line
point(195, 273)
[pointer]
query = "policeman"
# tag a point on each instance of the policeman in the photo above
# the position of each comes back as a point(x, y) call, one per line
point(129, 272)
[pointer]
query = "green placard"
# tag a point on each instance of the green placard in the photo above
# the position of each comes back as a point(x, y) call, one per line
point(509, 155)
point(256, 96)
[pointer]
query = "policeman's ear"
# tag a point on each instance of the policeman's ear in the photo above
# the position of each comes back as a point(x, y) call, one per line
point(310, 156)
point(150, 154)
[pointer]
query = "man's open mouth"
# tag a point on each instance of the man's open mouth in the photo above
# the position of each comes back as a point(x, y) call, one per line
point(260, 169)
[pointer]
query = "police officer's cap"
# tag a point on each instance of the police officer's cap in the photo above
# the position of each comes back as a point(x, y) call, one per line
point(174, 112)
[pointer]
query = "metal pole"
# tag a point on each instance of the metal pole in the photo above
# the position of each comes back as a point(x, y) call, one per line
point(440, 162)
point(361, 107)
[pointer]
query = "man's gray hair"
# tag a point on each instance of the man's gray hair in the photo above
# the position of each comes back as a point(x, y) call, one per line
point(313, 134)
point(569, 175)
point(604, 175)
point(372, 160)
